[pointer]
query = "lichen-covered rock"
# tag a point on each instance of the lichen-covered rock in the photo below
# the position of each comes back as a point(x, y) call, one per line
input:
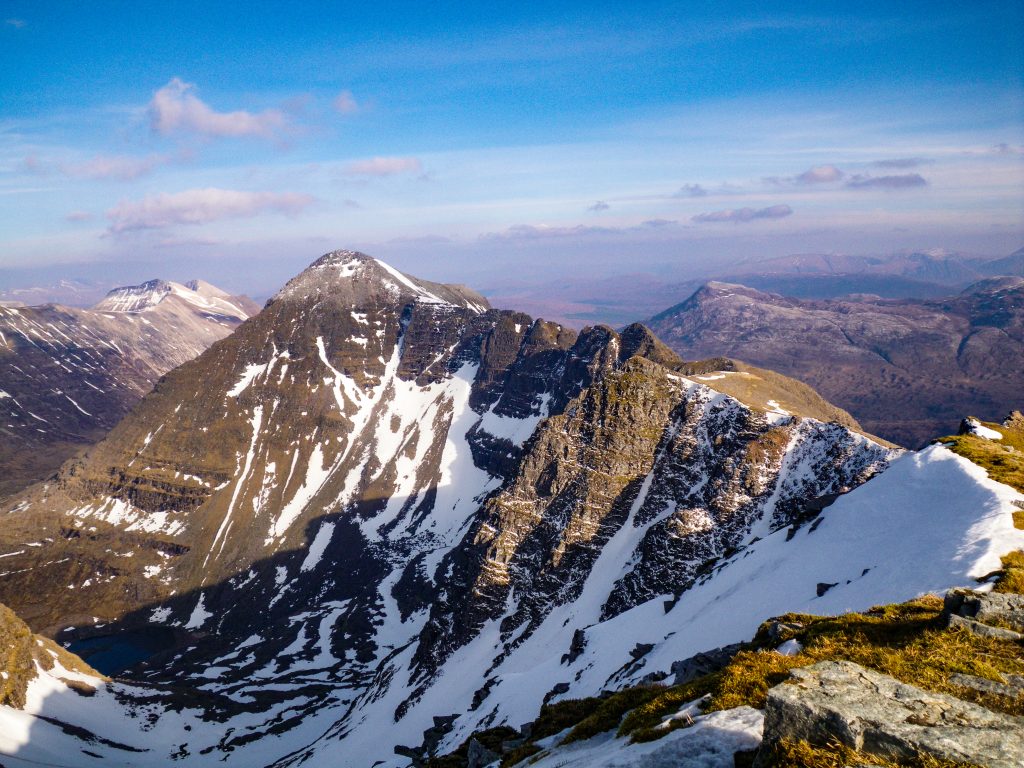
point(877, 715)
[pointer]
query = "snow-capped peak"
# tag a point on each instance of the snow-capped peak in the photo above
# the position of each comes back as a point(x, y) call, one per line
point(355, 278)
point(202, 296)
point(135, 298)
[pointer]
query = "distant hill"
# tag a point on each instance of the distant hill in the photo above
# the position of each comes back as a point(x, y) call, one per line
point(906, 369)
point(67, 375)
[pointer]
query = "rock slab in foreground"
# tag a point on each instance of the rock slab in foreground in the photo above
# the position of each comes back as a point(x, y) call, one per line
point(877, 715)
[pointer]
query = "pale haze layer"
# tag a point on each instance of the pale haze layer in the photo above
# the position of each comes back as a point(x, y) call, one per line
point(503, 148)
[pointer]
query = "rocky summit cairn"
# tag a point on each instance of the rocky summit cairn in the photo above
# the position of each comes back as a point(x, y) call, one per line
point(877, 715)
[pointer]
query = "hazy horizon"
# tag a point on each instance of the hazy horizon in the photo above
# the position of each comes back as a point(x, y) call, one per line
point(502, 147)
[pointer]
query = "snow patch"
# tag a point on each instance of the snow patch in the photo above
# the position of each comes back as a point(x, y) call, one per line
point(199, 615)
point(980, 430)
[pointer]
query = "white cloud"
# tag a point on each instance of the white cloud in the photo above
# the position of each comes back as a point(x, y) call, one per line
point(16, 23)
point(384, 166)
point(531, 232)
point(345, 103)
point(600, 205)
point(200, 206)
point(739, 215)
point(176, 108)
point(77, 216)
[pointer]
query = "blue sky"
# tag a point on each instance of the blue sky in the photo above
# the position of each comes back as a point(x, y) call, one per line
point(480, 142)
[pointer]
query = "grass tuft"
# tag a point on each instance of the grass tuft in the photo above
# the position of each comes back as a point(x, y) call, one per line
point(642, 722)
point(1011, 578)
point(609, 714)
point(800, 754)
point(1018, 519)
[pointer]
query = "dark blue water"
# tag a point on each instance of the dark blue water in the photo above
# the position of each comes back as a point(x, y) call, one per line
point(113, 654)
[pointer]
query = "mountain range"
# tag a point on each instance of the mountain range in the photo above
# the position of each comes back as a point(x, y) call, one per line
point(617, 300)
point(381, 515)
point(906, 368)
point(68, 375)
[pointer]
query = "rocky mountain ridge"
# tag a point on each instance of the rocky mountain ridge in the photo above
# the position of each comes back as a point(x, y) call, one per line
point(907, 369)
point(380, 508)
point(68, 375)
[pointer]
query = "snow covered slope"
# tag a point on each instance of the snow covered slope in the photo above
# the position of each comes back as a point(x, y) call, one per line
point(381, 515)
point(68, 375)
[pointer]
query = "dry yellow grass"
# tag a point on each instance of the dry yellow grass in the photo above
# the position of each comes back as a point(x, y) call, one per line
point(1002, 459)
point(800, 754)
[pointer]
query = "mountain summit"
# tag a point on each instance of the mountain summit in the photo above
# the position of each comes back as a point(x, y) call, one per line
point(355, 277)
point(202, 297)
point(380, 515)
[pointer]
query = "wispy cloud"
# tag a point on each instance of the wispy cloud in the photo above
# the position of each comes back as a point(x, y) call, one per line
point(902, 162)
point(600, 205)
point(901, 181)
point(691, 190)
point(740, 215)
point(99, 167)
point(118, 167)
point(175, 107)
point(819, 174)
point(189, 242)
point(384, 166)
point(345, 103)
point(542, 232)
point(78, 216)
point(16, 23)
point(530, 232)
point(421, 240)
point(200, 206)
point(1007, 149)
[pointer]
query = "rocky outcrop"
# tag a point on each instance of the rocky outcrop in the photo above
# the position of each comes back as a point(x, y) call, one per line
point(703, 663)
point(1005, 608)
point(983, 630)
point(877, 715)
point(23, 655)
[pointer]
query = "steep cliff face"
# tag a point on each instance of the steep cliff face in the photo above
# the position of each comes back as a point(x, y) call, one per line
point(381, 508)
point(68, 375)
